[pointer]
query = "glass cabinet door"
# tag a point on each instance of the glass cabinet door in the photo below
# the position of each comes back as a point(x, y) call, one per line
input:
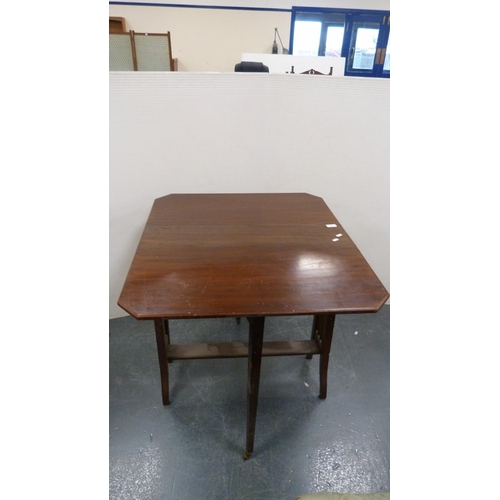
point(307, 37)
point(317, 33)
point(386, 68)
point(366, 46)
point(334, 40)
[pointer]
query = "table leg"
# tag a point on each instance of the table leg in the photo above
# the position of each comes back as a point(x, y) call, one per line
point(256, 335)
point(162, 341)
point(325, 324)
point(167, 336)
point(314, 333)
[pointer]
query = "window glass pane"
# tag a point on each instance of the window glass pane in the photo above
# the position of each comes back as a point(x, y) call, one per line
point(365, 45)
point(334, 39)
point(306, 38)
point(387, 62)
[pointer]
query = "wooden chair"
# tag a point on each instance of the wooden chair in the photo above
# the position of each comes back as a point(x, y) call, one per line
point(251, 67)
point(117, 25)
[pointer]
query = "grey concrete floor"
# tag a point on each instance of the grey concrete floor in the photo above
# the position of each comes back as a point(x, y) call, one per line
point(192, 449)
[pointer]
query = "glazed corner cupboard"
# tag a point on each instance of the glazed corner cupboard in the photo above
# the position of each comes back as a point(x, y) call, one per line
point(361, 36)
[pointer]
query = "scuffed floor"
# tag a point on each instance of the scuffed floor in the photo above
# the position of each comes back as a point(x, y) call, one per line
point(192, 449)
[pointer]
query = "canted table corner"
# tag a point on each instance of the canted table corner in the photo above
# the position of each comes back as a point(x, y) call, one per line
point(247, 255)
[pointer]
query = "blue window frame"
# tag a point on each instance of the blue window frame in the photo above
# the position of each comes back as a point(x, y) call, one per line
point(361, 36)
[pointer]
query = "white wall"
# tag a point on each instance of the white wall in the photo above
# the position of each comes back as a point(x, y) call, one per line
point(208, 39)
point(213, 39)
point(274, 4)
point(239, 132)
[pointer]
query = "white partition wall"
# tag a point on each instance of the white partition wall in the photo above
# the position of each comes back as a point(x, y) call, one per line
point(242, 132)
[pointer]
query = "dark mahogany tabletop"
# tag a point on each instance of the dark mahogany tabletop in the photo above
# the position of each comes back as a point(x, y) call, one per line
point(215, 255)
